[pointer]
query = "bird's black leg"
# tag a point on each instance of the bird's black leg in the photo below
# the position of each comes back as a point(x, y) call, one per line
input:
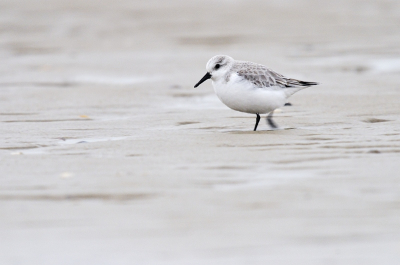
point(257, 121)
point(270, 121)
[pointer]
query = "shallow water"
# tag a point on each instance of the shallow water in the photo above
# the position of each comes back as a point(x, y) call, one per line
point(109, 155)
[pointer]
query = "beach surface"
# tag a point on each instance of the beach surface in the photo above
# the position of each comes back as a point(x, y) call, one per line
point(108, 155)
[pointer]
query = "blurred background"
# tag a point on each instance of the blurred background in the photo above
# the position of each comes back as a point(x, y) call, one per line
point(108, 154)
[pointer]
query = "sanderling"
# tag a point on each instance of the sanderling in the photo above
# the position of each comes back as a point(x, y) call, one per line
point(250, 87)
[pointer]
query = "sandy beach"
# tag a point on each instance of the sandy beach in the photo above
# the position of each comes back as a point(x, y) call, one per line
point(108, 154)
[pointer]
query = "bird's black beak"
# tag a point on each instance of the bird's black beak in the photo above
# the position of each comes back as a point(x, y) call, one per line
point(207, 76)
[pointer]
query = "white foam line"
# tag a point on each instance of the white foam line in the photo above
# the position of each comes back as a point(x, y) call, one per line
point(386, 65)
point(262, 181)
point(383, 65)
point(42, 150)
point(90, 140)
point(112, 80)
point(80, 79)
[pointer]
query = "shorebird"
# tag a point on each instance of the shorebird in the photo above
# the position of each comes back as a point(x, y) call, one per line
point(250, 87)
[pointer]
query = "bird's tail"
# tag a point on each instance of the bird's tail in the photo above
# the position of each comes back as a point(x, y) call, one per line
point(294, 85)
point(295, 82)
point(305, 83)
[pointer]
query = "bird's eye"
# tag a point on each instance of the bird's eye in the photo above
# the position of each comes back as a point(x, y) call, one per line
point(217, 66)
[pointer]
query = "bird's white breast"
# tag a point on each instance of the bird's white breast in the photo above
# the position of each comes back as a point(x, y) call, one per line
point(242, 95)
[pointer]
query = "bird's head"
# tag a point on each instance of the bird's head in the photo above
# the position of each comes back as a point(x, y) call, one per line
point(217, 67)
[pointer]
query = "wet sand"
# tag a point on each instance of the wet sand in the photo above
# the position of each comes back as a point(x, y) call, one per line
point(110, 156)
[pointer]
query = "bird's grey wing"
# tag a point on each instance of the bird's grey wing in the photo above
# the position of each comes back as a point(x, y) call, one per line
point(257, 74)
point(263, 77)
